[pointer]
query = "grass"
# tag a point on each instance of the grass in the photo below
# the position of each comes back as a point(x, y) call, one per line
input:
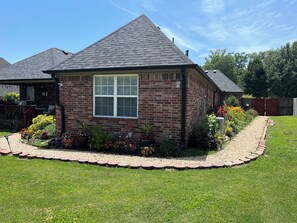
point(4, 132)
point(262, 191)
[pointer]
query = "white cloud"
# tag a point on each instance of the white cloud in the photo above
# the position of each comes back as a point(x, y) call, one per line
point(181, 41)
point(212, 6)
point(124, 9)
point(148, 4)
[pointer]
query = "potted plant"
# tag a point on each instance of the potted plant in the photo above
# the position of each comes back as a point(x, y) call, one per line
point(67, 140)
point(147, 138)
point(82, 136)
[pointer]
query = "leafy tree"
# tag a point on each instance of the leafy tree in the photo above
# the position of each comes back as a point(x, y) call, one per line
point(255, 79)
point(223, 61)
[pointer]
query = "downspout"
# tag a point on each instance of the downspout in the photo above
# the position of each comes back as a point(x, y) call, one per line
point(182, 143)
point(214, 98)
point(58, 103)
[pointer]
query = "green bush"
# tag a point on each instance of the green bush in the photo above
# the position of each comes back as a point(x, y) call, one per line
point(231, 101)
point(200, 132)
point(167, 148)
point(50, 130)
point(99, 136)
point(11, 98)
point(40, 122)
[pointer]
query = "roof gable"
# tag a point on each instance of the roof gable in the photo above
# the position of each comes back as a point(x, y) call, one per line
point(3, 63)
point(223, 82)
point(138, 44)
point(32, 67)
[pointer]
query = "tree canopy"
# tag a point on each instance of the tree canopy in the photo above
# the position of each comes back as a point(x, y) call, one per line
point(278, 67)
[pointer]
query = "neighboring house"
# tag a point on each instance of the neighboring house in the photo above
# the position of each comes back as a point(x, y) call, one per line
point(6, 88)
point(36, 87)
point(225, 85)
point(133, 76)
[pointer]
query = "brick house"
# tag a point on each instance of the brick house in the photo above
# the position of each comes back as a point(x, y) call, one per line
point(6, 88)
point(35, 87)
point(133, 76)
point(226, 87)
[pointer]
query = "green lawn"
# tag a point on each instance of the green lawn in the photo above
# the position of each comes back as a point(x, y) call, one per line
point(53, 191)
point(4, 132)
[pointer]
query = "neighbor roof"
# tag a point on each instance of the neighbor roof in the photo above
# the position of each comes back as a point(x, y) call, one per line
point(138, 44)
point(223, 82)
point(3, 63)
point(31, 68)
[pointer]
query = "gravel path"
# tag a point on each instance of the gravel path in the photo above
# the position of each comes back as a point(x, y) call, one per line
point(242, 145)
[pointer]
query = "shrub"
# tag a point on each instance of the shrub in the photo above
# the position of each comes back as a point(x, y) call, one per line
point(148, 129)
point(40, 122)
point(167, 148)
point(200, 132)
point(221, 111)
point(99, 137)
point(50, 130)
point(147, 150)
point(252, 112)
point(11, 97)
point(231, 101)
point(228, 131)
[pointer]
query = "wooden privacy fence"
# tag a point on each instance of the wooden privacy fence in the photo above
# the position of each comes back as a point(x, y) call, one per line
point(270, 106)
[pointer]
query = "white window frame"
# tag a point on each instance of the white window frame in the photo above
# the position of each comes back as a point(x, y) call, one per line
point(115, 96)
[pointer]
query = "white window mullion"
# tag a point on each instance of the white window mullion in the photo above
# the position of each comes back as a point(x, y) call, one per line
point(115, 98)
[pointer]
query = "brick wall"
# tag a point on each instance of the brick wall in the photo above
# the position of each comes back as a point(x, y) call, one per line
point(199, 99)
point(159, 103)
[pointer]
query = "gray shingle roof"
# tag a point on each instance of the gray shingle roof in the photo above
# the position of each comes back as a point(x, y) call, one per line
point(32, 67)
point(223, 82)
point(3, 63)
point(138, 44)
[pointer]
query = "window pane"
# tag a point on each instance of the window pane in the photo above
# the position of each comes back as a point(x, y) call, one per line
point(98, 90)
point(133, 80)
point(120, 90)
point(126, 90)
point(110, 81)
point(104, 80)
point(126, 80)
point(127, 107)
point(104, 106)
point(120, 80)
point(134, 90)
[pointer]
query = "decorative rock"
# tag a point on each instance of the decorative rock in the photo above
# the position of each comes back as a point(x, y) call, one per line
point(180, 167)
point(39, 156)
point(246, 160)
point(238, 162)
point(16, 153)
point(23, 155)
point(258, 152)
point(92, 161)
point(48, 157)
point(31, 156)
point(73, 159)
point(112, 163)
point(192, 166)
point(4, 152)
point(147, 166)
point(134, 165)
point(218, 165)
point(229, 164)
point(123, 164)
point(102, 162)
point(252, 157)
point(205, 165)
point(159, 166)
point(81, 160)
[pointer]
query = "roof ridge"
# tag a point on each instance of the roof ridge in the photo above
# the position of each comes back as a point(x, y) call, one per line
point(173, 46)
point(98, 41)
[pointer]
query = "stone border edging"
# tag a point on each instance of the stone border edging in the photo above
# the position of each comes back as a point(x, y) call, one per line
point(202, 165)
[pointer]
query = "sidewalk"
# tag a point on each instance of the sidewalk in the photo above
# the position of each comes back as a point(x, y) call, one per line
point(243, 148)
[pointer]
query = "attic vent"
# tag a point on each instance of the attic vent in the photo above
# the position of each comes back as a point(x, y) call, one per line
point(214, 71)
point(187, 53)
point(172, 39)
point(206, 71)
point(65, 52)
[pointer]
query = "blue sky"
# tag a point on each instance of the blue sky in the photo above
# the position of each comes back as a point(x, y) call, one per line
point(31, 26)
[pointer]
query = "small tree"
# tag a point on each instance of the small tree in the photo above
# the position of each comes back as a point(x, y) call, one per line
point(256, 79)
point(11, 98)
